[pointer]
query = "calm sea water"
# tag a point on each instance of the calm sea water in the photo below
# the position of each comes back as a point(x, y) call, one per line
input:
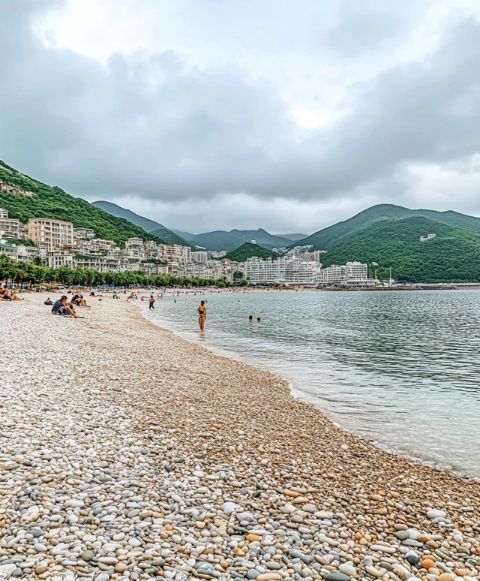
point(400, 368)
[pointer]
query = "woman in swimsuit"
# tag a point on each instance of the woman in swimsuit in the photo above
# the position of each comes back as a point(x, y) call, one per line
point(202, 315)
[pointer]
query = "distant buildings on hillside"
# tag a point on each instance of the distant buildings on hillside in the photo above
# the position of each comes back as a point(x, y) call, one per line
point(58, 244)
point(427, 237)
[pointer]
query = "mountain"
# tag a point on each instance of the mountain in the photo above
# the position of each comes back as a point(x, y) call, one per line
point(146, 224)
point(223, 240)
point(453, 256)
point(185, 235)
point(248, 250)
point(326, 238)
point(293, 237)
point(25, 197)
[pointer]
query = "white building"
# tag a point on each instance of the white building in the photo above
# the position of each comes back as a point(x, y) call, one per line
point(200, 256)
point(175, 253)
point(259, 271)
point(357, 273)
point(83, 233)
point(58, 258)
point(18, 252)
point(428, 237)
point(301, 273)
point(291, 271)
point(55, 234)
point(99, 245)
point(134, 243)
point(11, 227)
point(352, 273)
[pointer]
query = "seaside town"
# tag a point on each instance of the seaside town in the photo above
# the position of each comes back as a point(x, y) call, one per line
point(239, 290)
point(57, 243)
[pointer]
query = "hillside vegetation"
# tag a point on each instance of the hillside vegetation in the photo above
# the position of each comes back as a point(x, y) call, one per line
point(327, 237)
point(249, 250)
point(53, 202)
point(454, 256)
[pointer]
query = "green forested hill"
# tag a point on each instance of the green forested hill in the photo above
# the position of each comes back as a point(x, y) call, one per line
point(249, 250)
point(53, 202)
point(454, 256)
point(326, 238)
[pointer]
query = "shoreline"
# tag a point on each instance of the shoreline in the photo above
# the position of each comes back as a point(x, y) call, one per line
point(297, 393)
point(228, 475)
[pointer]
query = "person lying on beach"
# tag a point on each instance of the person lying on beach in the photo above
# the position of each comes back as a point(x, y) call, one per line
point(61, 307)
point(8, 295)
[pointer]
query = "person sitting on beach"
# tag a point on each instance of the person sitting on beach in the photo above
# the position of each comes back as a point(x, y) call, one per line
point(78, 301)
point(75, 300)
point(15, 297)
point(48, 301)
point(61, 307)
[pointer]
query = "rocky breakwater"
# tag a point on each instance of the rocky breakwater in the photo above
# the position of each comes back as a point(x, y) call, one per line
point(143, 456)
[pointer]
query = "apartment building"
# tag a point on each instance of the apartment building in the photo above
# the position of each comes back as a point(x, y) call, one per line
point(99, 245)
point(258, 271)
point(54, 234)
point(175, 253)
point(83, 233)
point(11, 227)
point(19, 252)
point(59, 258)
point(134, 243)
point(200, 256)
point(352, 273)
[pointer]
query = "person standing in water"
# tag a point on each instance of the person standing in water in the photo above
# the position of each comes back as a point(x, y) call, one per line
point(151, 303)
point(202, 315)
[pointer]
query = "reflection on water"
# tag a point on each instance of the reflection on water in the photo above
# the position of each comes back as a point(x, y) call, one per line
point(402, 368)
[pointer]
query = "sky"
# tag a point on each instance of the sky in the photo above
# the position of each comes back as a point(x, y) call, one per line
point(216, 114)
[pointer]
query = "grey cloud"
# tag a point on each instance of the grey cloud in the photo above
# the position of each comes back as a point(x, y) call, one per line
point(150, 126)
point(358, 31)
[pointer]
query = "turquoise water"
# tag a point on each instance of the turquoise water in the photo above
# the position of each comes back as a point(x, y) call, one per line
point(399, 368)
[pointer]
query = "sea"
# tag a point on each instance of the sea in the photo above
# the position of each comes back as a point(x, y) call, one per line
point(399, 368)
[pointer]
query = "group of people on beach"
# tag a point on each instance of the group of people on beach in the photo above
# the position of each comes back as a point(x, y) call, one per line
point(66, 308)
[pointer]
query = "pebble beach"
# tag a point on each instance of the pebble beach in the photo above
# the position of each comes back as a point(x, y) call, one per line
point(127, 452)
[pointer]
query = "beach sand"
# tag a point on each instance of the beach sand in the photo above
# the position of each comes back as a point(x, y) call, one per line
point(127, 452)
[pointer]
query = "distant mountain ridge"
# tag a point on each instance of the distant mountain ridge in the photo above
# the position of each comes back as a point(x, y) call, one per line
point(154, 228)
point(327, 237)
point(223, 240)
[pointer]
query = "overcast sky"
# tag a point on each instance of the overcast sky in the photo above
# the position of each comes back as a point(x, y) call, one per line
point(214, 114)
